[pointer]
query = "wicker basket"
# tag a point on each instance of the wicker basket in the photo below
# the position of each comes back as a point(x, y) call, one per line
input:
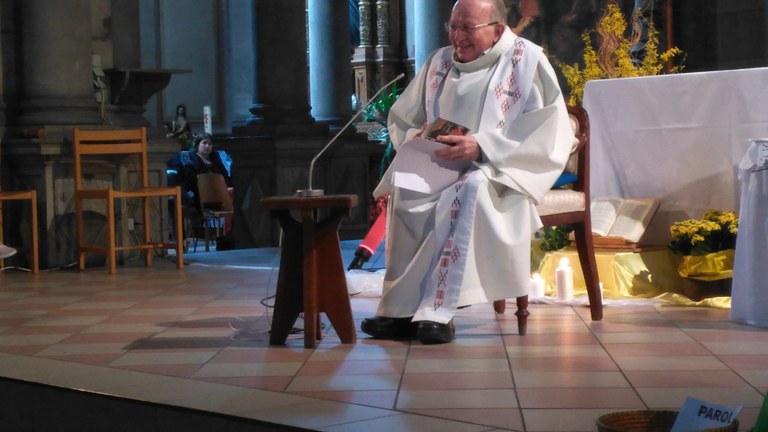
point(647, 421)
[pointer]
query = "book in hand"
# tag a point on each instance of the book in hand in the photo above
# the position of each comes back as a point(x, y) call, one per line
point(442, 126)
point(622, 219)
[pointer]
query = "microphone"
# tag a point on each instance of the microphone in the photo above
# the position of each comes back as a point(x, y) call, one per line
point(310, 192)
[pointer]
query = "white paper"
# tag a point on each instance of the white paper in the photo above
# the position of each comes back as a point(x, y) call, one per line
point(416, 167)
point(698, 415)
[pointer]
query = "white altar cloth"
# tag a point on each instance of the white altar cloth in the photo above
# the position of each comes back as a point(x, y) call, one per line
point(676, 137)
point(749, 293)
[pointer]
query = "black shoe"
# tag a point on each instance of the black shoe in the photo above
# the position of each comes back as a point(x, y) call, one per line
point(431, 332)
point(389, 328)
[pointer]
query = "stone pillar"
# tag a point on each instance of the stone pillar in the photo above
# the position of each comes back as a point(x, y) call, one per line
point(382, 23)
point(2, 95)
point(430, 35)
point(56, 63)
point(281, 64)
point(377, 59)
point(126, 44)
point(330, 71)
point(366, 23)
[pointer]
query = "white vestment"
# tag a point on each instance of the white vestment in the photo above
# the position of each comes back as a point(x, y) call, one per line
point(525, 138)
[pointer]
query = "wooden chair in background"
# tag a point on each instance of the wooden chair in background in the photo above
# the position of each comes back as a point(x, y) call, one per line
point(107, 143)
point(570, 207)
point(31, 196)
point(215, 205)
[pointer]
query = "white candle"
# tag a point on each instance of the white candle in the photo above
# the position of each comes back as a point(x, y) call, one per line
point(564, 280)
point(537, 286)
point(207, 125)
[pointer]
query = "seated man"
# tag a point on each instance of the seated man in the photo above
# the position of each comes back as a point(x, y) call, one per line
point(471, 242)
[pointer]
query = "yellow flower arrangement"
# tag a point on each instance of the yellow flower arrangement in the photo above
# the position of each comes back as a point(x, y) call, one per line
point(715, 232)
point(613, 59)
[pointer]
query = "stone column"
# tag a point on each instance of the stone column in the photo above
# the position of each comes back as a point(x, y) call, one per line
point(382, 23)
point(281, 64)
point(330, 70)
point(126, 44)
point(366, 23)
point(56, 63)
point(2, 97)
point(429, 16)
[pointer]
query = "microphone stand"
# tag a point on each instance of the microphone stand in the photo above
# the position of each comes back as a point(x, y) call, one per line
point(310, 192)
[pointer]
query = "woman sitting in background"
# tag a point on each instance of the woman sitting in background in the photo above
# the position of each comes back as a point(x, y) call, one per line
point(206, 160)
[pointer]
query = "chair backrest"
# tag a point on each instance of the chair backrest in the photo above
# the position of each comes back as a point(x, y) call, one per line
point(581, 131)
point(213, 192)
point(109, 142)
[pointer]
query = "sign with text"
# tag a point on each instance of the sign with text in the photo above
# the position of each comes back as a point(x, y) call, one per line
point(697, 415)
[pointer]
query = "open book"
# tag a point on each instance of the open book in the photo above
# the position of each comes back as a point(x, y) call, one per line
point(622, 219)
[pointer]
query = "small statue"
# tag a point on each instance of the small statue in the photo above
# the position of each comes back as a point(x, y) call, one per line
point(180, 129)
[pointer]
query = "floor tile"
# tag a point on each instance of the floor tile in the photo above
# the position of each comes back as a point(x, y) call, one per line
point(456, 399)
point(545, 398)
point(571, 379)
point(200, 339)
point(457, 380)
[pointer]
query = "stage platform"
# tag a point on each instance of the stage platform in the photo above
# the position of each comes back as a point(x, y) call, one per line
point(158, 349)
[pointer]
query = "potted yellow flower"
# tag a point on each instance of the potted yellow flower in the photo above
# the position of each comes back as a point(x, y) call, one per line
point(707, 246)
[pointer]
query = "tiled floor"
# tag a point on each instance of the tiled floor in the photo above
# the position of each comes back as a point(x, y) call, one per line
point(199, 338)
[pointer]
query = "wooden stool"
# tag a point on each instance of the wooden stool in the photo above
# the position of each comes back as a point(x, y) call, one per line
point(311, 278)
point(32, 197)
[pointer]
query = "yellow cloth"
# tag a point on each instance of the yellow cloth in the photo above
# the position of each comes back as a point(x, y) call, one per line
point(626, 275)
point(709, 267)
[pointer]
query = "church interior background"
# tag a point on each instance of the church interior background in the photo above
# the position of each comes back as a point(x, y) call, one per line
point(279, 78)
point(157, 349)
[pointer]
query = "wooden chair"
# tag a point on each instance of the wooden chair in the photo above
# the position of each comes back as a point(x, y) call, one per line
point(570, 207)
point(109, 143)
point(31, 196)
point(215, 204)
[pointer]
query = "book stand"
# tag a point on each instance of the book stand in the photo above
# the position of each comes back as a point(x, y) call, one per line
point(311, 278)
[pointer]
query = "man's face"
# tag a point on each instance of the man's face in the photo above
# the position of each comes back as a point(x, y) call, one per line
point(468, 43)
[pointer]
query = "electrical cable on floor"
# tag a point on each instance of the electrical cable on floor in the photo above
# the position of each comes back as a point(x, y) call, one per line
point(264, 301)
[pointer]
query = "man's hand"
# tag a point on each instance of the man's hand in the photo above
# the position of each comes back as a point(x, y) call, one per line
point(463, 147)
point(423, 128)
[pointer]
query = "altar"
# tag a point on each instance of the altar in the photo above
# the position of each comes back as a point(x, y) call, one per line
point(676, 137)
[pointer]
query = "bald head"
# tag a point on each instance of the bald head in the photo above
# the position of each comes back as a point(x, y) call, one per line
point(498, 9)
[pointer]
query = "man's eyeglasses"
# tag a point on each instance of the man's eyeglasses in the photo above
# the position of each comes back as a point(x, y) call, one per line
point(467, 29)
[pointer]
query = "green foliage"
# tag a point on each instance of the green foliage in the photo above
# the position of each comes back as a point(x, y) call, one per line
point(378, 111)
point(554, 238)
